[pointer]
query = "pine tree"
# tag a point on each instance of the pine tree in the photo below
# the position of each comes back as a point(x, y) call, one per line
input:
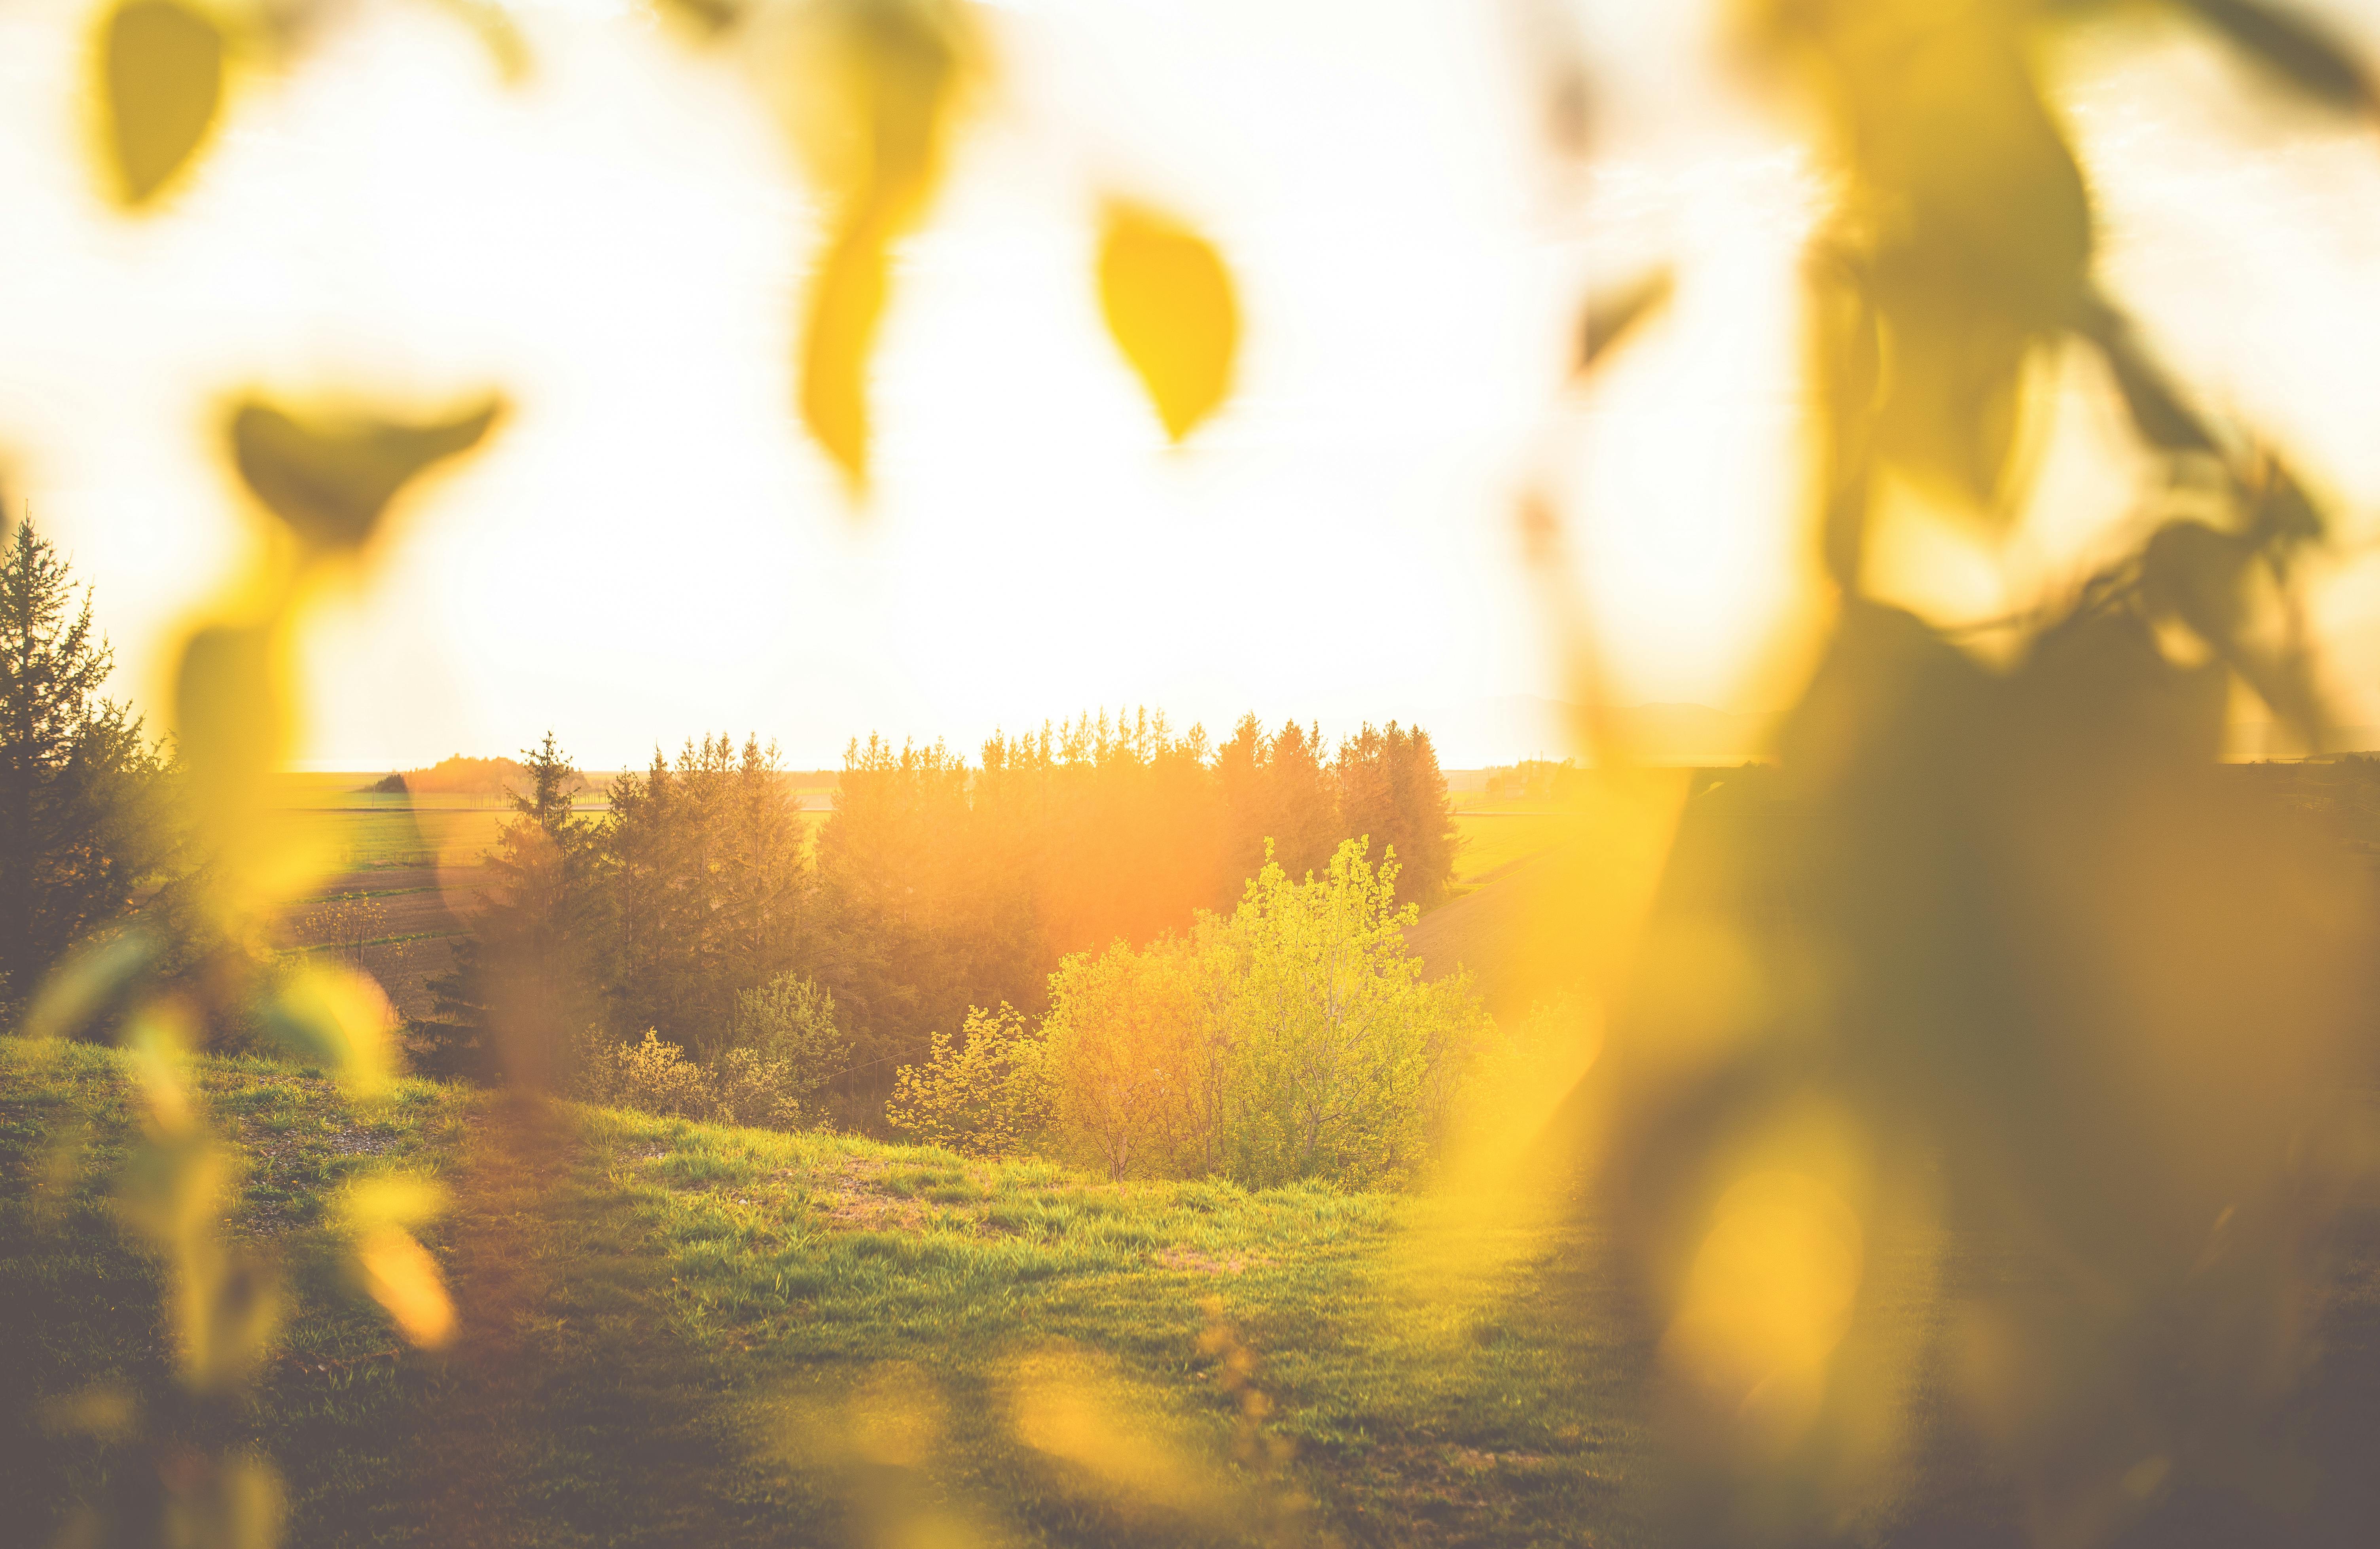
point(82, 821)
point(520, 990)
point(1391, 791)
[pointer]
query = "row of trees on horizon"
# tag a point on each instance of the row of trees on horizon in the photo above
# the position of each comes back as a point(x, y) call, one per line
point(935, 885)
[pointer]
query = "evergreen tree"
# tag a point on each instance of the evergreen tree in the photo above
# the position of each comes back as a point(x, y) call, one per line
point(520, 991)
point(1391, 791)
point(82, 829)
point(707, 888)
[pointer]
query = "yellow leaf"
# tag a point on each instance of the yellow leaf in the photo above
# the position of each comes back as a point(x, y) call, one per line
point(880, 82)
point(330, 479)
point(846, 301)
point(341, 1016)
point(231, 726)
point(404, 1278)
point(161, 69)
point(1169, 303)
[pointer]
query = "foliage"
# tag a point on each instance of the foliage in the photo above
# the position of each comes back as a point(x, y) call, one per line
point(790, 1021)
point(85, 824)
point(456, 775)
point(943, 887)
point(1294, 1040)
point(525, 969)
point(1392, 792)
point(1340, 1052)
point(703, 889)
point(1133, 1056)
point(2008, 952)
point(986, 1096)
point(653, 1077)
point(348, 922)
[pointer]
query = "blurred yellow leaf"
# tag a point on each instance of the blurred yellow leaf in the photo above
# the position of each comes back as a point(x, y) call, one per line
point(1169, 303)
point(89, 984)
point(709, 16)
point(877, 84)
point(404, 1278)
point(223, 1306)
point(231, 726)
point(330, 479)
point(339, 1015)
point(239, 1504)
point(846, 301)
point(879, 81)
point(161, 69)
point(396, 1270)
point(388, 1199)
point(1768, 1297)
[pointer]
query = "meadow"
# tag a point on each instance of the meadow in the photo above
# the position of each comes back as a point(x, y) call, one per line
point(678, 1333)
point(675, 1333)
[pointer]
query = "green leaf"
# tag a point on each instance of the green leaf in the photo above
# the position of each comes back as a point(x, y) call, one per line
point(2293, 47)
point(330, 480)
point(162, 66)
point(1611, 315)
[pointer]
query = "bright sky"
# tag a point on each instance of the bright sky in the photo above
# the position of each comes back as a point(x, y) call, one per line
point(650, 548)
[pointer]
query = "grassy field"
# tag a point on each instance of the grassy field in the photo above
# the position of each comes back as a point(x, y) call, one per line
point(680, 1333)
point(1490, 835)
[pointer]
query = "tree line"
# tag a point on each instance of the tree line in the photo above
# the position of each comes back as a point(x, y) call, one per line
point(933, 887)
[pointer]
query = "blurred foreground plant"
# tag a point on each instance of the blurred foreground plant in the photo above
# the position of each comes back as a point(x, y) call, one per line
point(2000, 949)
point(327, 483)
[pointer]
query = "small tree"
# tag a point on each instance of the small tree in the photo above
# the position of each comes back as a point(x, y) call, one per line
point(348, 922)
point(790, 1021)
point(986, 1096)
point(1125, 1039)
point(1339, 1048)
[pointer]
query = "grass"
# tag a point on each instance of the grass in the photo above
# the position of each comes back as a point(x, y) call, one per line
point(1492, 834)
point(675, 1333)
point(680, 1334)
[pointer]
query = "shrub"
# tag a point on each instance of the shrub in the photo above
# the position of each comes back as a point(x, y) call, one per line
point(987, 1095)
point(1130, 1042)
point(760, 1093)
point(651, 1077)
point(789, 1022)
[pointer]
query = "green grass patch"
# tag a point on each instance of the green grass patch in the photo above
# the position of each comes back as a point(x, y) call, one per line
point(678, 1333)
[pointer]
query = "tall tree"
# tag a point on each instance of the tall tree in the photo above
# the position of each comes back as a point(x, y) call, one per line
point(522, 985)
point(1391, 791)
point(707, 888)
point(82, 828)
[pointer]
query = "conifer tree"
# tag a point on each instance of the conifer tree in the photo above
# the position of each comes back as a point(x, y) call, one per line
point(82, 829)
point(520, 990)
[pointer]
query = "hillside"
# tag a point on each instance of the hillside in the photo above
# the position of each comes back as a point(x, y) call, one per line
point(675, 1333)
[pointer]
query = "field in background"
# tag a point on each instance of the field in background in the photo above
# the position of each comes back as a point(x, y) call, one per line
point(1492, 834)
